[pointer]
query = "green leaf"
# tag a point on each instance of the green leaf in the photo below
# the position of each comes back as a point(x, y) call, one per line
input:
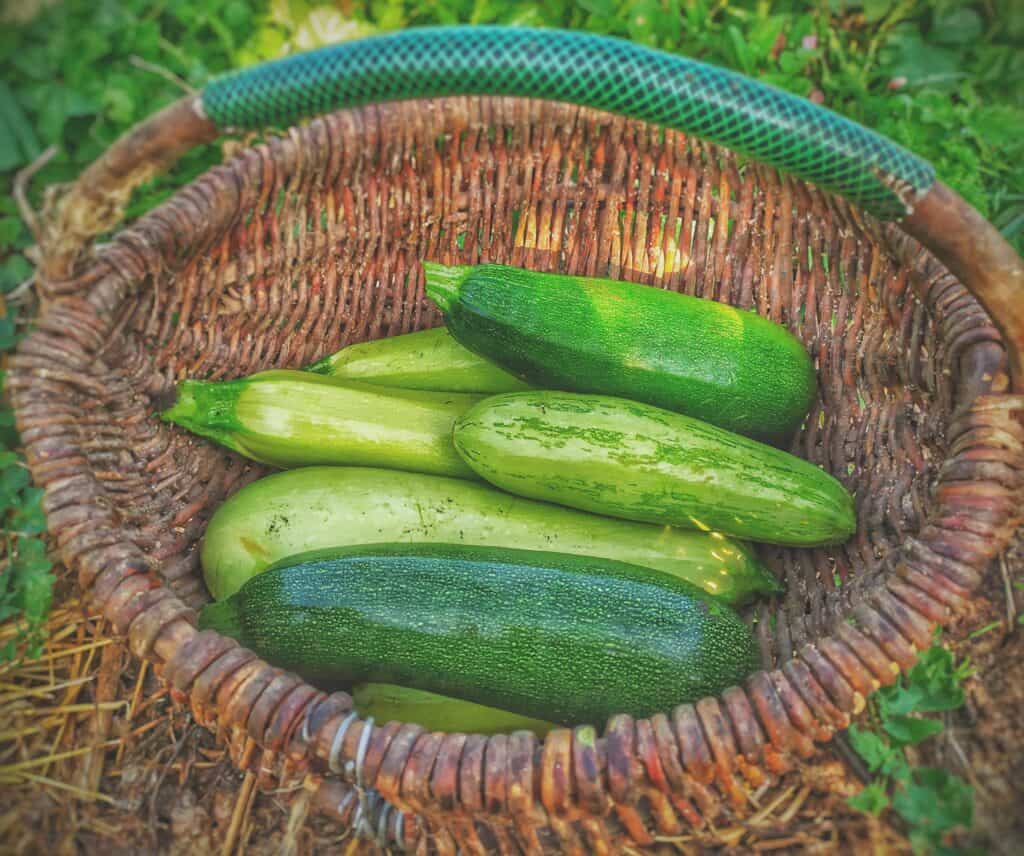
point(13, 478)
point(1011, 14)
point(909, 730)
point(934, 684)
point(792, 63)
point(10, 227)
point(872, 799)
point(934, 803)
point(899, 700)
point(907, 55)
point(880, 756)
point(237, 15)
point(741, 53)
point(875, 10)
point(18, 143)
point(388, 14)
point(938, 679)
point(57, 103)
point(30, 557)
point(33, 568)
point(28, 515)
point(26, 589)
point(8, 436)
point(896, 766)
point(763, 34)
point(872, 748)
point(643, 21)
point(601, 8)
point(119, 104)
point(14, 271)
point(999, 125)
point(956, 27)
point(8, 336)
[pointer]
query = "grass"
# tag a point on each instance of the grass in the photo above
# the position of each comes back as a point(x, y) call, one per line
point(944, 78)
point(931, 801)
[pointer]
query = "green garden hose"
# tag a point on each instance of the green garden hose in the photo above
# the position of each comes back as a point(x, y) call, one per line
point(596, 71)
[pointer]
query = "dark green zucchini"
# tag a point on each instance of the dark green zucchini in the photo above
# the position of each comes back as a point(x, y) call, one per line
point(709, 360)
point(563, 638)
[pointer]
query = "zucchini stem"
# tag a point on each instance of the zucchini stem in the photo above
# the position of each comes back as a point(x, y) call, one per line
point(324, 366)
point(223, 616)
point(206, 408)
point(444, 282)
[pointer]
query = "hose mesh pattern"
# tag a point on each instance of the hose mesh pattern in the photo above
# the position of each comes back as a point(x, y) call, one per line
point(597, 71)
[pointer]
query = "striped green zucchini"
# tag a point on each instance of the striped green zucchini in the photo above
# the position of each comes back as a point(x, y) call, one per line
point(323, 507)
point(638, 462)
point(293, 419)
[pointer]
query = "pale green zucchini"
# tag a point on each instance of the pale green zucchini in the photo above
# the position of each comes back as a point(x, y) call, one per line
point(323, 507)
point(387, 702)
point(292, 419)
point(427, 359)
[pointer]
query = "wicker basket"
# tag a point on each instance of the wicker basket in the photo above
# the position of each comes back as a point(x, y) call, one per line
point(312, 240)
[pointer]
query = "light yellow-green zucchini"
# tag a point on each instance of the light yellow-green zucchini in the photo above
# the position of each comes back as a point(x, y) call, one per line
point(293, 419)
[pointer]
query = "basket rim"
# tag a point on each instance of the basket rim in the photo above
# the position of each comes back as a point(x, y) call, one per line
point(778, 714)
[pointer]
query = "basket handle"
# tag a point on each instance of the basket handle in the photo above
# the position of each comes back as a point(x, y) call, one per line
point(609, 74)
point(595, 71)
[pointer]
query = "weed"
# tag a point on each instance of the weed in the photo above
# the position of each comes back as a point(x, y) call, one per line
point(931, 801)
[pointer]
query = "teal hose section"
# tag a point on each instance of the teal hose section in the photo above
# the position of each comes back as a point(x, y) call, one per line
point(609, 74)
